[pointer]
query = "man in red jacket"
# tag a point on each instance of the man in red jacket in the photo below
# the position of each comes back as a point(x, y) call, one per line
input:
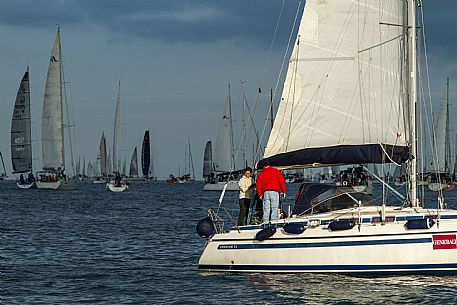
point(269, 184)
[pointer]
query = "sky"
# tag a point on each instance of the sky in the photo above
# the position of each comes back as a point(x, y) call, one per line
point(174, 60)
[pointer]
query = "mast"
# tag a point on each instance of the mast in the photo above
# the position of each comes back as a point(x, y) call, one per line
point(455, 160)
point(245, 136)
point(116, 130)
point(412, 65)
point(61, 98)
point(232, 157)
point(191, 161)
point(447, 140)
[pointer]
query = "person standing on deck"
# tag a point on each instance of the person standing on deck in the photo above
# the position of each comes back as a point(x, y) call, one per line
point(269, 184)
point(245, 185)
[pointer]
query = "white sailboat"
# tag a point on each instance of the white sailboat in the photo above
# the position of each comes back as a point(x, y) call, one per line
point(21, 136)
point(224, 174)
point(189, 171)
point(440, 177)
point(346, 73)
point(102, 162)
point(52, 127)
point(119, 183)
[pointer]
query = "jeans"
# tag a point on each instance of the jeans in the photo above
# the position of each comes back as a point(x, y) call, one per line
point(270, 206)
point(244, 210)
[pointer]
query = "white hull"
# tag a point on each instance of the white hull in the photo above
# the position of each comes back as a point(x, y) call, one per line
point(26, 186)
point(370, 248)
point(58, 185)
point(99, 181)
point(185, 181)
point(116, 189)
point(436, 186)
point(219, 186)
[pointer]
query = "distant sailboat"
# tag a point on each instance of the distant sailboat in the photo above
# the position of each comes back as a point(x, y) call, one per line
point(223, 174)
point(440, 178)
point(21, 139)
point(78, 169)
point(84, 168)
point(146, 155)
point(208, 160)
point(52, 127)
point(189, 172)
point(102, 162)
point(134, 165)
point(118, 184)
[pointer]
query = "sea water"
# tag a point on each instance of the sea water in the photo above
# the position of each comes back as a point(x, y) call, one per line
point(91, 246)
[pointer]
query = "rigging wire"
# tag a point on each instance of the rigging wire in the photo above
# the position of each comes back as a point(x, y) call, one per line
point(256, 155)
point(432, 129)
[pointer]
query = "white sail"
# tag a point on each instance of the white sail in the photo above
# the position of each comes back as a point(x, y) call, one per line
point(52, 133)
point(134, 164)
point(223, 151)
point(207, 159)
point(343, 87)
point(117, 120)
point(102, 157)
point(21, 141)
point(78, 167)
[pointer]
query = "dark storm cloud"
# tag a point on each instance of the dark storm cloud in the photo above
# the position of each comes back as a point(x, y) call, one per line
point(161, 20)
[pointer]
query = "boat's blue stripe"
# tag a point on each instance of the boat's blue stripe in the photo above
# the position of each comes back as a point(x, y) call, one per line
point(342, 268)
point(257, 245)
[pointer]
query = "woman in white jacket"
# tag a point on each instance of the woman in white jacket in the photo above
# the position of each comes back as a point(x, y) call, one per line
point(246, 186)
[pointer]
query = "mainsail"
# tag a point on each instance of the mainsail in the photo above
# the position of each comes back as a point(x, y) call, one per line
point(343, 99)
point(117, 120)
point(146, 154)
point(208, 159)
point(21, 141)
point(134, 164)
point(223, 151)
point(52, 129)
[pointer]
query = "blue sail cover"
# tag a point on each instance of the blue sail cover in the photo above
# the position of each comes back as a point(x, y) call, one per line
point(341, 154)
